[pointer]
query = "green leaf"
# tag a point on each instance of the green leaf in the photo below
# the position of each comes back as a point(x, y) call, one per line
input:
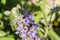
point(13, 27)
point(1, 15)
point(40, 33)
point(38, 17)
point(2, 33)
point(53, 35)
point(11, 17)
point(59, 19)
point(7, 13)
point(3, 2)
point(10, 36)
point(6, 38)
point(1, 24)
point(53, 17)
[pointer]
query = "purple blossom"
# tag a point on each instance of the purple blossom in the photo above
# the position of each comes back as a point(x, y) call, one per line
point(17, 32)
point(23, 38)
point(27, 15)
point(28, 22)
point(32, 34)
point(31, 17)
point(40, 39)
point(35, 25)
point(20, 27)
point(24, 33)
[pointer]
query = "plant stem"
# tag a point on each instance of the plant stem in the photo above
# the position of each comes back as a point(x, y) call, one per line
point(46, 26)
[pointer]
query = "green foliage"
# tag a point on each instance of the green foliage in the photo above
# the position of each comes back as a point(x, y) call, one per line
point(3, 2)
point(1, 25)
point(2, 33)
point(1, 15)
point(6, 38)
point(53, 35)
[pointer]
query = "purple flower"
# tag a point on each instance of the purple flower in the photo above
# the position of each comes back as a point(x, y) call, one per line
point(32, 34)
point(23, 38)
point(20, 27)
point(40, 39)
point(17, 32)
point(35, 25)
point(27, 15)
point(24, 33)
point(31, 17)
point(27, 21)
point(27, 27)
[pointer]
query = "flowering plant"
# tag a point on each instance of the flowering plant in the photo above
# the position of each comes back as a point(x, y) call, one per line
point(30, 20)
